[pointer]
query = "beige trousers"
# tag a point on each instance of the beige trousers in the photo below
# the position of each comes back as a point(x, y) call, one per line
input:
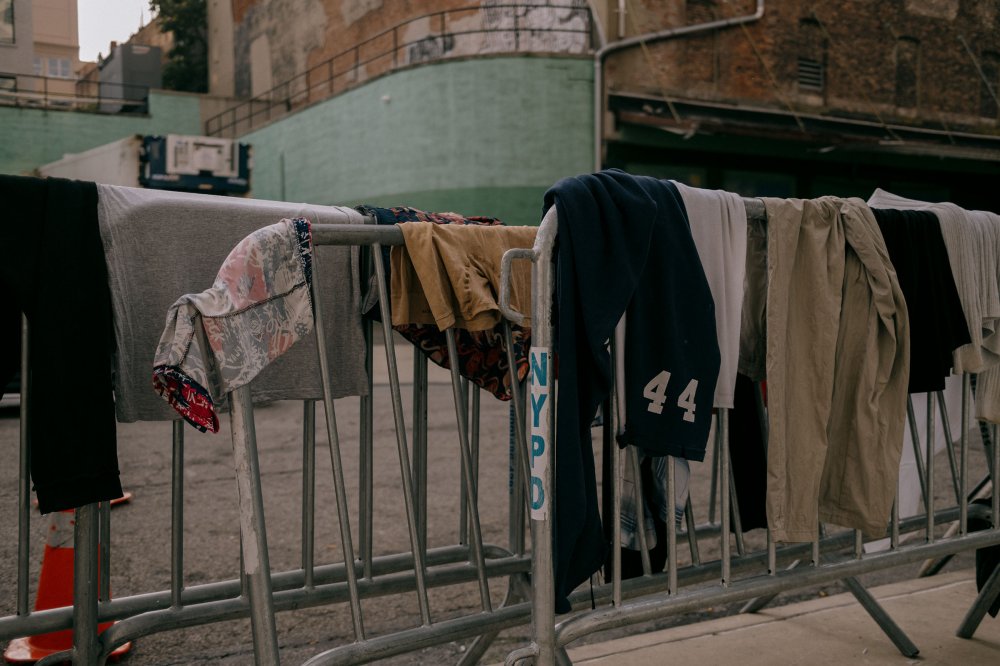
point(449, 275)
point(837, 366)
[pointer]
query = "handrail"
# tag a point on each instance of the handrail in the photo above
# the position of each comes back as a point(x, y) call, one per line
point(388, 51)
point(45, 92)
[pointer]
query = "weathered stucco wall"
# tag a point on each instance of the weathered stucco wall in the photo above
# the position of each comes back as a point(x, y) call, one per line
point(276, 40)
point(483, 136)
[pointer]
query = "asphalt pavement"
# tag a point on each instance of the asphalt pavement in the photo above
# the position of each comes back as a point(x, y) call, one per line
point(814, 626)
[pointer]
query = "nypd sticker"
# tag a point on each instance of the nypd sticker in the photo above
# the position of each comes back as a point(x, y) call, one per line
point(539, 447)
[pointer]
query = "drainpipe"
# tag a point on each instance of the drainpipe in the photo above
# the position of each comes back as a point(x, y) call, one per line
point(607, 49)
point(595, 21)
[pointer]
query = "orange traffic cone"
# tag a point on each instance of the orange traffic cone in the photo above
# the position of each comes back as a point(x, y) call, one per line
point(55, 590)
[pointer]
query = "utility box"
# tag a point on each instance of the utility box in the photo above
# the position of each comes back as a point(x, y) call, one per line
point(178, 162)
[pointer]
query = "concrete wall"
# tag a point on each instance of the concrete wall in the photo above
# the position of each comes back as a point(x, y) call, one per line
point(30, 138)
point(483, 136)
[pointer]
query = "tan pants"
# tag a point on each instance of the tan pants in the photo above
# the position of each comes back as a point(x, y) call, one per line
point(837, 368)
point(449, 275)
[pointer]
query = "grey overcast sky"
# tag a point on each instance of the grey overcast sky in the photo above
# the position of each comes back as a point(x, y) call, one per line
point(104, 21)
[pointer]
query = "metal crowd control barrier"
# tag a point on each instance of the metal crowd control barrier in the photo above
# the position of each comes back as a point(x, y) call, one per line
point(259, 592)
point(757, 574)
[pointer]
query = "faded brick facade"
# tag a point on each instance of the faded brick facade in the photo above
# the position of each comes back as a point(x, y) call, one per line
point(899, 60)
point(810, 98)
point(335, 44)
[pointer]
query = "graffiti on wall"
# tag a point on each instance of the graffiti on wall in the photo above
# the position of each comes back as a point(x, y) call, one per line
point(558, 26)
point(431, 48)
point(503, 26)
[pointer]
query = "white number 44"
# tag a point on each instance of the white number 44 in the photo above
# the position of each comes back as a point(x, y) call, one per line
point(656, 393)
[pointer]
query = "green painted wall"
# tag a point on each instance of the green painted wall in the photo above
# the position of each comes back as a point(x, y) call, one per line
point(478, 136)
point(30, 138)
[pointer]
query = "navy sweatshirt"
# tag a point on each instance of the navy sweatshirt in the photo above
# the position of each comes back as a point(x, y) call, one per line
point(624, 242)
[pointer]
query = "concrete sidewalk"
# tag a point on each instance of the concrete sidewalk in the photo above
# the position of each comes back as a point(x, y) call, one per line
point(831, 630)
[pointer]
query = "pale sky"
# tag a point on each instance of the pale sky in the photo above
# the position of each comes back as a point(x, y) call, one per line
point(104, 21)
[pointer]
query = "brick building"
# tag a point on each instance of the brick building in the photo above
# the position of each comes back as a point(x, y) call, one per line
point(498, 98)
point(810, 98)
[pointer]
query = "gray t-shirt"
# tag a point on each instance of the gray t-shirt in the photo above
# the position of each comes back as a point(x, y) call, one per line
point(718, 222)
point(161, 245)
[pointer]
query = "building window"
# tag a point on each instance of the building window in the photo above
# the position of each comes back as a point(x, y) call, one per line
point(36, 65)
point(59, 68)
point(8, 84)
point(6, 21)
point(811, 72)
point(991, 72)
point(907, 72)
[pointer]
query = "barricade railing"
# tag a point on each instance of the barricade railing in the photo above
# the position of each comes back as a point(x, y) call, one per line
point(260, 592)
point(761, 568)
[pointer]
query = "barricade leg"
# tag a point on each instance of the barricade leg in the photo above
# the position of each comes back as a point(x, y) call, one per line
point(308, 492)
point(472, 497)
point(518, 479)
point(984, 600)
point(541, 425)
point(366, 480)
point(991, 590)
point(86, 643)
point(881, 617)
point(419, 568)
point(254, 537)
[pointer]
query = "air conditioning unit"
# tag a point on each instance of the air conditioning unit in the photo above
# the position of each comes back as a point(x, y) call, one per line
point(195, 163)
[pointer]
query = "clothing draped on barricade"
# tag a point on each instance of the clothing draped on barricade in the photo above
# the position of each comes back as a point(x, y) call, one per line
point(162, 245)
point(718, 223)
point(843, 307)
point(622, 241)
point(219, 340)
point(53, 271)
point(482, 352)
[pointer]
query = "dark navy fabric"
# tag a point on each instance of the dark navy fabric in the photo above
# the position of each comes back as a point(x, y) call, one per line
point(937, 323)
point(623, 242)
point(671, 346)
point(748, 456)
point(53, 266)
